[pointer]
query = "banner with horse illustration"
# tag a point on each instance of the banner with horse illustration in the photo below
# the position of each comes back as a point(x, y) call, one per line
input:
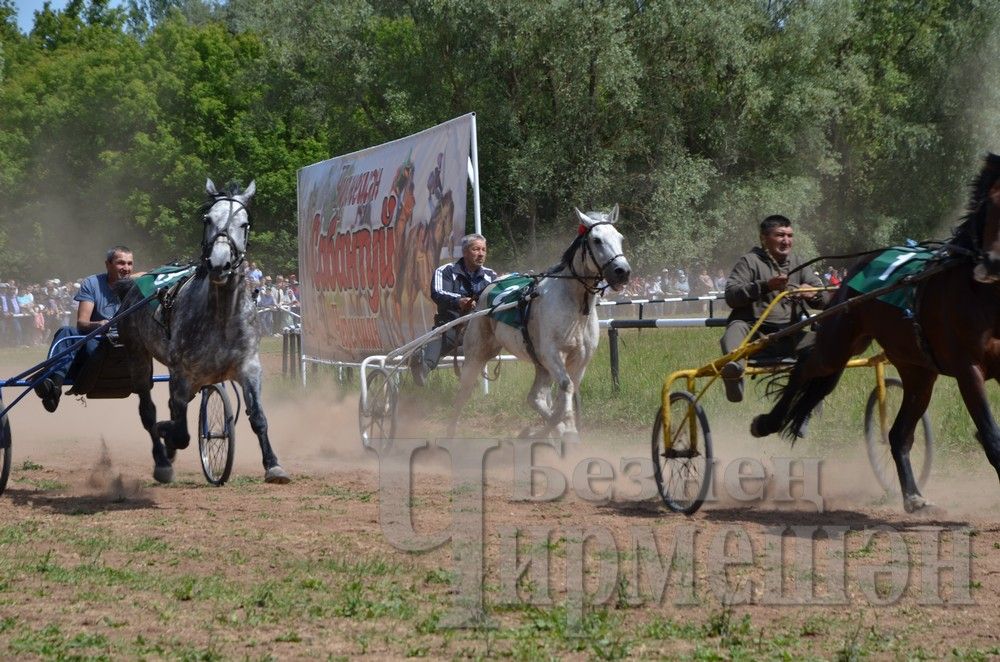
point(373, 226)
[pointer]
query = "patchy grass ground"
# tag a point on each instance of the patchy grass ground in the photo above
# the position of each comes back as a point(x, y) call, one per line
point(254, 571)
point(97, 562)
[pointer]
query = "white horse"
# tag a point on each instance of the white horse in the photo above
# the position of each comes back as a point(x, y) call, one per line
point(562, 328)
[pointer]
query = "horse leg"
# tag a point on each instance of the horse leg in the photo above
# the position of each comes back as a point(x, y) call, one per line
point(478, 347)
point(175, 432)
point(163, 471)
point(576, 366)
point(918, 384)
point(973, 389)
point(554, 363)
point(250, 380)
point(538, 398)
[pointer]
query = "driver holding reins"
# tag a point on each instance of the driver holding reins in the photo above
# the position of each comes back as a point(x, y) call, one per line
point(98, 304)
point(455, 288)
point(754, 282)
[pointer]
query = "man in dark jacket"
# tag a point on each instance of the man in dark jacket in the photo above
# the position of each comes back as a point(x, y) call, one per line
point(455, 289)
point(758, 277)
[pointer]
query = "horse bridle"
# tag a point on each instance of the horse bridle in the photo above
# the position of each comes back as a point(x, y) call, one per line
point(588, 252)
point(225, 233)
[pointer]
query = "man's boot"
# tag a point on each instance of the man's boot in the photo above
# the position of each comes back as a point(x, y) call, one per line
point(732, 378)
point(50, 390)
point(417, 367)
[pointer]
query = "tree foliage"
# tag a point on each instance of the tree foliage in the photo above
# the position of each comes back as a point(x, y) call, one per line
point(859, 120)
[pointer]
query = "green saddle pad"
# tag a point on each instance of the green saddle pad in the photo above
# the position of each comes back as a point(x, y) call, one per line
point(161, 278)
point(507, 289)
point(890, 267)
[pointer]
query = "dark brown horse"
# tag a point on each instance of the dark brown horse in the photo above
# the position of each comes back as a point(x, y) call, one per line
point(955, 332)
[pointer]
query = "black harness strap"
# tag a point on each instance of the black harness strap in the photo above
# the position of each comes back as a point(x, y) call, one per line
point(524, 310)
point(918, 330)
point(166, 297)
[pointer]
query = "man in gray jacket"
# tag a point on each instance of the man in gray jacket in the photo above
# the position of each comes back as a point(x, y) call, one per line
point(754, 282)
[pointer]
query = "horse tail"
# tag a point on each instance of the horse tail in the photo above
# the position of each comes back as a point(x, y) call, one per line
point(803, 396)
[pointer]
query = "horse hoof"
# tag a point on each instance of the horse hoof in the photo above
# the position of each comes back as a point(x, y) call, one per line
point(277, 475)
point(757, 428)
point(163, 475)
point(571, 437)
point(916, 503)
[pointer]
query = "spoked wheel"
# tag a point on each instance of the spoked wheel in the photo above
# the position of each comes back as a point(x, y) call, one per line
point(216, 434)
point(377, 416)
point(877, 438)
point(682, 459)
point(6, 444)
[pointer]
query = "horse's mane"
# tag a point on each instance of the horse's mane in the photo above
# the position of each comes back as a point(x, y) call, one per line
point(567, 257)
point(967, 233)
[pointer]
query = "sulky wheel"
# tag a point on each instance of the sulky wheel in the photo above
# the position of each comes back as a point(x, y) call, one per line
point(877, 438)
point(6, 445)
point(377, 415)
point(216, 434)
point(682, 460)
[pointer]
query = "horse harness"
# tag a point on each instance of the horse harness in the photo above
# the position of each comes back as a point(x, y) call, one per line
point(166, 298)
point(958, 253)
point(589, 284)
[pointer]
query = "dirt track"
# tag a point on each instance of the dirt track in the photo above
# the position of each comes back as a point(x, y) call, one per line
point(96, 560)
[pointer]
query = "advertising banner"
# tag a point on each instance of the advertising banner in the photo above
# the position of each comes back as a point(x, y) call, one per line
point(373, 226)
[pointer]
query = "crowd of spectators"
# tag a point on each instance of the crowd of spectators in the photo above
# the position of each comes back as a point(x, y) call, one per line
point(673, 282)
point(31, 312)
point(277, 298)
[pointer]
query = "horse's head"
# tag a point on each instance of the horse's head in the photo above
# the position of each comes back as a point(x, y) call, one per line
point(984, 216)
point(227, 228)
point(602, 247)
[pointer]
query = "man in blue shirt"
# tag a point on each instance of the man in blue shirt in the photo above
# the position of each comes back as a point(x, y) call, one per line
point(97, 304)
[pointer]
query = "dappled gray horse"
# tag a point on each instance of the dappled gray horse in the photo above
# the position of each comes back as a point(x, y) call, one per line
point(205, 333)
point(562, 330)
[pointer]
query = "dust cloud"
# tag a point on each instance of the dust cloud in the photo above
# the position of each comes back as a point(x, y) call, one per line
point(105, 481)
